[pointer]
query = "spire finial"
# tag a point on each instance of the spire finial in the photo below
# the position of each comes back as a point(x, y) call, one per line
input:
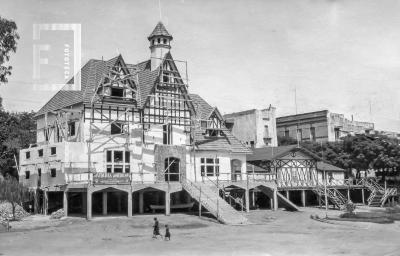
point(159, 9)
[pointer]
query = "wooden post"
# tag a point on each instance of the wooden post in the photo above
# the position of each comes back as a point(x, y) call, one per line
point(89, 205)
point(45, 202)
point(141, 202)
point(167, 202)
point(275, 199)
point(363, 196)
point(303, 198)
point(247, 200)
point(129, 204)
point(200, 203)
point(105, 203)
point(319, 201)
point(35, 202)
point(253, 198)
point(348, 195)
point(287, 194)
point(65, 203)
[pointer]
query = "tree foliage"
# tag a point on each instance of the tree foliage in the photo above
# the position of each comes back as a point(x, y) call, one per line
point(360, 152)
point(14, 192)
point(17, 130)
point(8, 44)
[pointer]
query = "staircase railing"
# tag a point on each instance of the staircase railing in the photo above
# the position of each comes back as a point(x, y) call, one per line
point(218, 187)
point(210, 204)
point(332, 194)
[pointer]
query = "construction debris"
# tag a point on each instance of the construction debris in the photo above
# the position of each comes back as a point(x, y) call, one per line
point(57, 214)
point(7, 213)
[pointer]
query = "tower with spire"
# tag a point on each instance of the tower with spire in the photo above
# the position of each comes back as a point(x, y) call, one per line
point(160, 41)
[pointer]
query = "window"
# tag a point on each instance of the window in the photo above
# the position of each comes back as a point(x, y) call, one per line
point(287, 134)
point(158, 40)
point(117, 128)
point(27, 174)
point(209, 166)
point(117, 92)
point(167, 134)
point(40, 152)
point(152, 42)
point(53, 172)
point(203, 124)
point(165, 41)
point(118, 161)
point(39, 171)
point(53, 150)
point(312, 134)
point(71, 129)
point(337, 133)
point(28, 155)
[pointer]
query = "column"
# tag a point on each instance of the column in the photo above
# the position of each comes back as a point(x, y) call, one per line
point(129, 204)
point(104, 203)
point(65, 203)
point(287, 195)
point(45, 202)
point(247, 199)
point(167, 203)
point(275, 199)
point(303, 198)
point(253, 203)
point(88, 204)
point(363, 196)
point(35, 202)
point(141, 202)
point(271, 203)
point(348, 195)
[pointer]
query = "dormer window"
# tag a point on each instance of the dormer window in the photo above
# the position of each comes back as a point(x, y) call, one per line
point(165, 41)
point(117, 92)
point(158, 40)
point(152, 42)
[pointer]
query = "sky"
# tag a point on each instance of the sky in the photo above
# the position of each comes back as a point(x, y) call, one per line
point(339, 55)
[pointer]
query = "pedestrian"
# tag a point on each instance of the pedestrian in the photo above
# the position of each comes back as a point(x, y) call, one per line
point(156, 230)
point(167, 233)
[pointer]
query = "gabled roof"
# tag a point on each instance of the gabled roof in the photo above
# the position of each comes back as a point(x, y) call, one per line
point(159, 30)
point(272, 153)
point(227, 142)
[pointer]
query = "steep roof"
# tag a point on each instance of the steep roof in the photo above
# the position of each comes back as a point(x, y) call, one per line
point(159, 30)
point(226, 142)
point(91, 74)
point(272, 153)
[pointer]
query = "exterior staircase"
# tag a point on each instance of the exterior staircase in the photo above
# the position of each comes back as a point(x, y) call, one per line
point(282, 200)
point(333, 195)
point(210, 199)
point(379, 195)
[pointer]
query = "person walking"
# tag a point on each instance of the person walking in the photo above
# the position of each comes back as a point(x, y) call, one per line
point(156, 229)
point(167, 233)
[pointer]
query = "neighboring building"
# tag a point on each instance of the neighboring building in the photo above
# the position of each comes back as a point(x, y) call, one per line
point(256, 128)
point(298, 173)
point(320, 126)
point(393, 135)
point(131, 140)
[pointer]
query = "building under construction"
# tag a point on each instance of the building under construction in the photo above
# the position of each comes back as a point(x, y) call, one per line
point(133, 140)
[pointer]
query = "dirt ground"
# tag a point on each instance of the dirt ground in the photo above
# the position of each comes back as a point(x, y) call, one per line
point(273, 233)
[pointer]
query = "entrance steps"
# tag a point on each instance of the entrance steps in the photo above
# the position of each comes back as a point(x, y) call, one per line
point(210, 199)
point(333, 195)
point(282, 200)
point(379, 195)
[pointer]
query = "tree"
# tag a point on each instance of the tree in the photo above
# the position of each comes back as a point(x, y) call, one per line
point(17, 130)
point(284, 141)
point(8, 44)
point(14, 192)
